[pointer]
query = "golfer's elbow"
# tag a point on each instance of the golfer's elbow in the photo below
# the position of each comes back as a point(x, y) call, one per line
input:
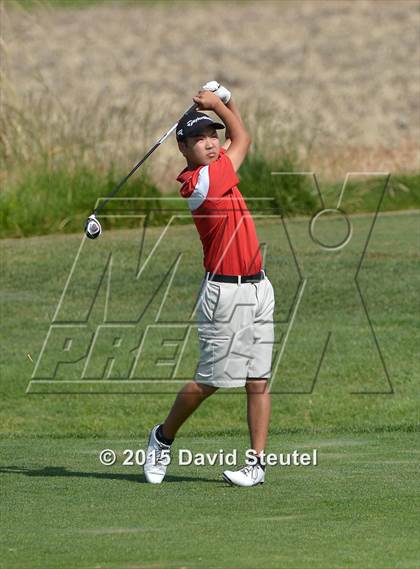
point(240, 140)
point(246, 139)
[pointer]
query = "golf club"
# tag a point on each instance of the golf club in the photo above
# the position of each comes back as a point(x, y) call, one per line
point(92, 226)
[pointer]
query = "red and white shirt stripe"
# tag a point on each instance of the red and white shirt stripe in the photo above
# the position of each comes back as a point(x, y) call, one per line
point(224, 223)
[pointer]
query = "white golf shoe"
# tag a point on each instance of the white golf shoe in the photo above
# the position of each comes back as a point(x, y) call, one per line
point(158, 457)
point(249, 475)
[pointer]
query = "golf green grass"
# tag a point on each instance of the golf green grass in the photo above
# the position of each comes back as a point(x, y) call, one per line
point(353, 389)
point(61, 508)
point(357, 508)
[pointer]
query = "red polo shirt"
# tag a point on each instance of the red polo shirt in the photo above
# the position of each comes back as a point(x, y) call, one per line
point(223, 221)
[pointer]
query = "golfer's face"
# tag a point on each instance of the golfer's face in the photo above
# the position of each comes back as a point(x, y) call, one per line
point(203, 149)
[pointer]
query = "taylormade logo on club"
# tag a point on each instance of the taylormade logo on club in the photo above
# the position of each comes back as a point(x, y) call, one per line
point(193, 121)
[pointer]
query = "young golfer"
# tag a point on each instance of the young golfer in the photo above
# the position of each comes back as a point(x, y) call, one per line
point(236, 300)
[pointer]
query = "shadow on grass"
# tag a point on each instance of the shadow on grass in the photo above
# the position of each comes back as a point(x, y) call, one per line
point(62, 471)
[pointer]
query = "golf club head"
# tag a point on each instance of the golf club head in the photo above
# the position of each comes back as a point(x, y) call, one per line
point(92, 227)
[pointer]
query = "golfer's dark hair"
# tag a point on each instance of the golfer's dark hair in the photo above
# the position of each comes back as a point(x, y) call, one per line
point(184, 139)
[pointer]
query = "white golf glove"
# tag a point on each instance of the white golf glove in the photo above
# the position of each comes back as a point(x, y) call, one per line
point(215, 87)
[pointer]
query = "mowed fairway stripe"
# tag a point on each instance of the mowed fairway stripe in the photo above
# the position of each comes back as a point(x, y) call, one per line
point(62, 508)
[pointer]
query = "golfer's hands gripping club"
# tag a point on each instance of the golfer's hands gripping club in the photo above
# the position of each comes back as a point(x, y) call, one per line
point(220, 91)
point(207, 101)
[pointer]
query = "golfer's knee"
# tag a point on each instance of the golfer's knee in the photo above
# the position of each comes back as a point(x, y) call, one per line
point(201, 390)
point(256, 385)
point(206, 390)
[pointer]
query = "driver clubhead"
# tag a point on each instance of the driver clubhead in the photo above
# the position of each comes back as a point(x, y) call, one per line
point(92, 227)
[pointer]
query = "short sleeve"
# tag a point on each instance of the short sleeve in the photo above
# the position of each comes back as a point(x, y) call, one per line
point(196, 188)
point(211, 181)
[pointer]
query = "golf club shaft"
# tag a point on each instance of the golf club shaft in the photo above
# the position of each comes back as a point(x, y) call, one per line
point(137, 166)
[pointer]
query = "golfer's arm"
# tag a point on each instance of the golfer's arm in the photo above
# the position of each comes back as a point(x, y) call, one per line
point(231, 105)
point(240, 139)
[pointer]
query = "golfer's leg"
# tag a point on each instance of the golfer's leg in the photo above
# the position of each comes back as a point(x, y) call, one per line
point(186, 402)
point(259, 410)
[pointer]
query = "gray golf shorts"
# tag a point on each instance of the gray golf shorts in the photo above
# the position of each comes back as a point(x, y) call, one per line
point(235, 331)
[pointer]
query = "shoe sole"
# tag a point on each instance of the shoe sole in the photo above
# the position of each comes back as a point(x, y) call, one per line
point(229, 481)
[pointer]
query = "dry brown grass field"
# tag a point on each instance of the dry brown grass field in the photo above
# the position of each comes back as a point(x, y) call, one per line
point(340, 80)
